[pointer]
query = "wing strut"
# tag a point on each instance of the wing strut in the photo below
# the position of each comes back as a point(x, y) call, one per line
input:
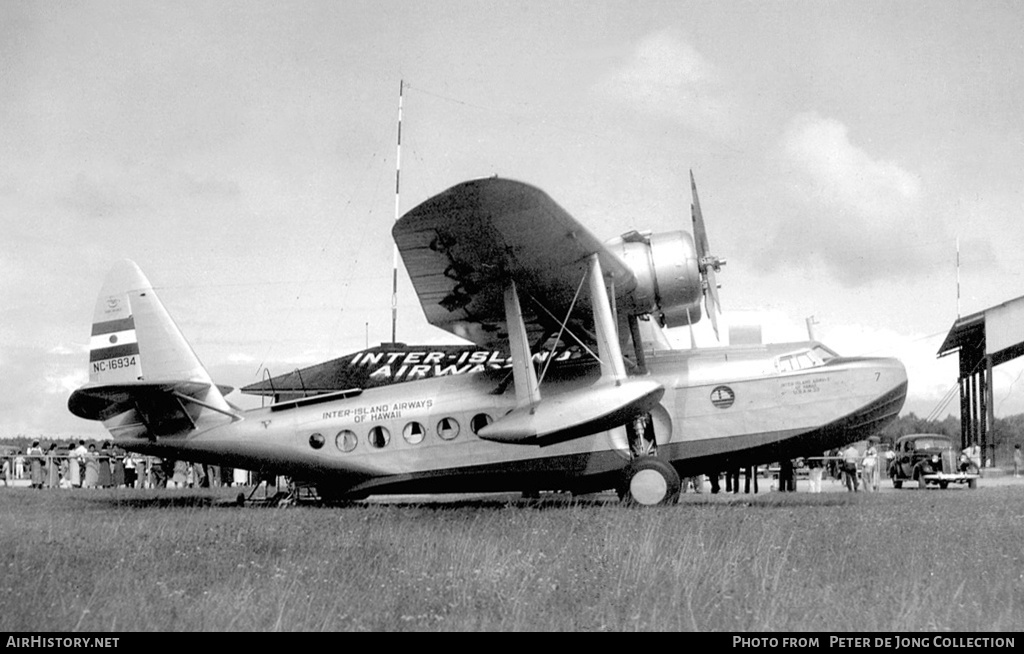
point(610, 402)
point(608, 350)
point(523, 374)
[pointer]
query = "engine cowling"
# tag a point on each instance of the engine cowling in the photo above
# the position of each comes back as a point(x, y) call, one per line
point(667, 271)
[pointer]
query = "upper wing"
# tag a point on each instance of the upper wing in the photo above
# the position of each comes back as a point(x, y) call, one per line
point(462, 247)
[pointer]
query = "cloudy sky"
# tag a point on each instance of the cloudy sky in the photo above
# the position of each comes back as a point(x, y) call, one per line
point(243, 154)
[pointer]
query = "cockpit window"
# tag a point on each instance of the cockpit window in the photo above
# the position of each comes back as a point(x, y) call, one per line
point(804, 359)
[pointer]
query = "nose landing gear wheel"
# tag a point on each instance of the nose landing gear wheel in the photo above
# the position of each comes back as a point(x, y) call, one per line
point(648, 481)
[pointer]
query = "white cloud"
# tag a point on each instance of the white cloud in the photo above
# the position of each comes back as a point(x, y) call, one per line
point(667, 78)
point(861, 217)
point(74, 349)
point(840, 173)
point(66, 383)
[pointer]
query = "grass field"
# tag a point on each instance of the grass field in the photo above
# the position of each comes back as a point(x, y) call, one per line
point(185, 561)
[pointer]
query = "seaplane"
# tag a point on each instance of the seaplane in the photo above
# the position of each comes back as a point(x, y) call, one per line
point(567, 384)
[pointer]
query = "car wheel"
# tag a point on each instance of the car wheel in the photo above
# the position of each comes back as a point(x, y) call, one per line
point(648, 481)
point(943, 485)
point(972, 484)
point(897, 483)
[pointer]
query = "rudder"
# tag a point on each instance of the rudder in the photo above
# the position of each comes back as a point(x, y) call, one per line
point(143, 374)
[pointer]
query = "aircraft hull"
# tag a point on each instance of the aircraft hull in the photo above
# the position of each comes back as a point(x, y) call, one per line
point(722, 409)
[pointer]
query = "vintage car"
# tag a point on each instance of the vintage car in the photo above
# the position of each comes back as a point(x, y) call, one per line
point(930, 459)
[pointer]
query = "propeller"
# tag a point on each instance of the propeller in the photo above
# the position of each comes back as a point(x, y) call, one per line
point(708, 264)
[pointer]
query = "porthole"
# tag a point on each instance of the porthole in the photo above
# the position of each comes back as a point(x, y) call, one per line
point(316, 441)
point(414, 433)
point(346, 440)
point(379, 437)
point(479, 421)
point(448, 428)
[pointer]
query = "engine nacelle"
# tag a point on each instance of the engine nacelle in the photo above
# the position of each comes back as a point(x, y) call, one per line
point(667, 272)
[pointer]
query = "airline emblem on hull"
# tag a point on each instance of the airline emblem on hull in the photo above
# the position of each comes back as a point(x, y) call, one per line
point(722, 397)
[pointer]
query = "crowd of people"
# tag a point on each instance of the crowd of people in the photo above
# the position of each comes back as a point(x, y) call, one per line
point(87, 466)
point(859, 470)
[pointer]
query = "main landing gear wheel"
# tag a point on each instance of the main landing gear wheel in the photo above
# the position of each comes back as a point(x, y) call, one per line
point(649, 482)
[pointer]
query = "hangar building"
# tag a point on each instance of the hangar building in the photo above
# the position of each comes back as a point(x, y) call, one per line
point(984, 340)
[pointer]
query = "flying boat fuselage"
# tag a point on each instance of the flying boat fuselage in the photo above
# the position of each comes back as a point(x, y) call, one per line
point(501, 265)
point(723, 408)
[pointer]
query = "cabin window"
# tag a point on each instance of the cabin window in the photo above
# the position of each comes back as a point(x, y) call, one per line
point(379, 437)
point(448, 428)
point(316, 441)
point(414, 433)
point(480, 421)
point(346, 440)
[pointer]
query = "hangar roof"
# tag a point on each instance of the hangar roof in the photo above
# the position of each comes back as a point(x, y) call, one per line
point(997, 332)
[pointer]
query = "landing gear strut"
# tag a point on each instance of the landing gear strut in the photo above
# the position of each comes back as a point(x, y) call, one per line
point(647, 480)
point(641, 437)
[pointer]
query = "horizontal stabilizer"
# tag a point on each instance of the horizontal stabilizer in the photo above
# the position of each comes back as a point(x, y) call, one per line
point(576, 414)
point(165, 408)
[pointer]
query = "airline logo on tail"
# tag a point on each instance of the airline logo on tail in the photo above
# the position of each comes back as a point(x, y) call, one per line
point(114, 346)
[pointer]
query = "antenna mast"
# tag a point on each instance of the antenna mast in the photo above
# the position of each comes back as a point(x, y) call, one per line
point(394, 254)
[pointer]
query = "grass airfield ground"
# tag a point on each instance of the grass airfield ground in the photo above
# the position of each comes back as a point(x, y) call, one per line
point(186, 560)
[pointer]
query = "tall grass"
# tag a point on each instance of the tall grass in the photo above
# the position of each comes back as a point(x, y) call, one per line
point(177, 560)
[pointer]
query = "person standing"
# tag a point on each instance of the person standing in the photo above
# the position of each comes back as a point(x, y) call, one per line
point(1018, 460)
point(52, 467)
point(103, 461)
point(815, 470)
point(715, 483)
point(835, 464)
point(178, 477)
point(19, 465)
point(74, 473)
point(749, 479)
point(78, 461)
point(889, 456)
point(92, 468)
point(697, 482)
point(850, 457)
point(973, 453)
point(787, 476)
point(870, 475)
point(732, 480)
point(35, 462)
point(65, 471)
point(213, 475)
point(116, 468)
point(129, 470)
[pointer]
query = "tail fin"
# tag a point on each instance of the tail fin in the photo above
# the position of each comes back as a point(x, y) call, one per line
point(144, 378)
